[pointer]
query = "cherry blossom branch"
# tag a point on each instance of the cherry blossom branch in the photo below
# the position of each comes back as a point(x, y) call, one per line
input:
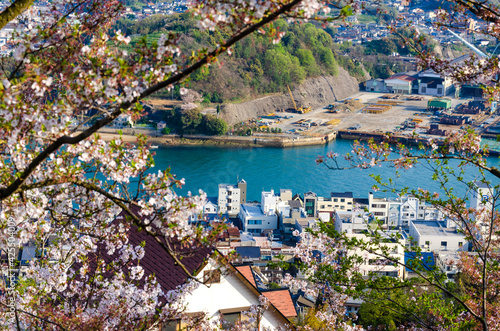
point(138, 222)
point(38, 317)
point(71, 140)
point(492, 170)
point(479, 9)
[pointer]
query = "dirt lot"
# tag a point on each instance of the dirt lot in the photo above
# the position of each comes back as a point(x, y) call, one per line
point(387, 121)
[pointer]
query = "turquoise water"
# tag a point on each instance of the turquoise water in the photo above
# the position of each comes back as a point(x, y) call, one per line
point(291, 168)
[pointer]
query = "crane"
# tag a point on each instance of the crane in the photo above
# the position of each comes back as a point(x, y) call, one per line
point(291, 96)
point(300, 110)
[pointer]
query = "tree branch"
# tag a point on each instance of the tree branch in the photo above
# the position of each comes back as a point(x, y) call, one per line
point(70, 140)
point(14, 10)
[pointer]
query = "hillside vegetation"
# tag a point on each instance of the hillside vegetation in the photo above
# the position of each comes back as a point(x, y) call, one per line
point(257, 66)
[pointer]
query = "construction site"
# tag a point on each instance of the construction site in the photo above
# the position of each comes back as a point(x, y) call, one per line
point(370, 112)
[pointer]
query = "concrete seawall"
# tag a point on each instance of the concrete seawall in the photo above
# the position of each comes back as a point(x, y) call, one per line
point(251, 141)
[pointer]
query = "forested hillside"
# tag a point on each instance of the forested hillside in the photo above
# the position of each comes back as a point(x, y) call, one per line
point(257, 66)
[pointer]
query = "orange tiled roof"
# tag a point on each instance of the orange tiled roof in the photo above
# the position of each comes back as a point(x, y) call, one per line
point(282, 300)
point(247, 272)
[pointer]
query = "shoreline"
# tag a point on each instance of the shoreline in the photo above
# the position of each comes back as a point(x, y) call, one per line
point(225, 141)
point(263, 141)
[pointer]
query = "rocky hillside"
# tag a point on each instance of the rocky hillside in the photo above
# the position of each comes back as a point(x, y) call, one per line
point(314, 92)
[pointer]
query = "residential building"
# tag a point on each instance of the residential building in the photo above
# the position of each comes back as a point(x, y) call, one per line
point(223, 291)
point(350, 222)
point(342, 201)
point(481, 196)
point(447, 262)
point(400, 211)
point(378, 207)
point(425, 260)
point(310, 203)
point(436, 236)
point(254, 220)
point(268, 202)
point(123, 121)
point(373, 263)
point(231, 196)
point(210, 207)
point(288, 215)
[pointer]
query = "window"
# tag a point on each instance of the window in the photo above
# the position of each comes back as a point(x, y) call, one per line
point(460, 244)
point(440, 90)
point(342, 200)
point(229, 320)
point(232, 316)
point(211, 277)
point(378, 213)
point(342, 207)
point(427, 243)
point(349, 203)
point(444, 245)
point(424, 89)
point(254, 222)
point(335, 200)
point(174, 325)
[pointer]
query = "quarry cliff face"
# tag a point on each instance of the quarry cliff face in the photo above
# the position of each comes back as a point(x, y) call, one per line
point(314, 92)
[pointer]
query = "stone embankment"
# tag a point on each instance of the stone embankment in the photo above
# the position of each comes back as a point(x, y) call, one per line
point(261, 141)
point(314, 92)
point(252, 141)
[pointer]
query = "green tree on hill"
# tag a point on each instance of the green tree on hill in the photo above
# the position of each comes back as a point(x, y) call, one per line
point(214, 125)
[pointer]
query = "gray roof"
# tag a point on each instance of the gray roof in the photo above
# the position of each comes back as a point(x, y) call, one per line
point(435, 228)
point(251, 210)
point(252, 252)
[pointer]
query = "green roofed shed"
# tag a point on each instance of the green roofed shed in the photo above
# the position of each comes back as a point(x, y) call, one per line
point(439, 103)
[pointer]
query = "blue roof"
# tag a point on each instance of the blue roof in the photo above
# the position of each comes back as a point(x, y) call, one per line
point(252, 252)
point(427, 259)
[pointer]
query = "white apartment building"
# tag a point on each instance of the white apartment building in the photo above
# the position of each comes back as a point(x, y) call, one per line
point(373, 263)
point(379, 207)
point(231, 197)
point(254, 220)
point(481, 196)
point(268, 202)
point(400, 212)
point(437, 236)
point(350, 222)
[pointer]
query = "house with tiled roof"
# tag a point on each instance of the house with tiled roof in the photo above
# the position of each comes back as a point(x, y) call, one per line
point(222, 290)
point(281, 298)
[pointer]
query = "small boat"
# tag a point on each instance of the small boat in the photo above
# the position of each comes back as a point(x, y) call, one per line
point(154, 146)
